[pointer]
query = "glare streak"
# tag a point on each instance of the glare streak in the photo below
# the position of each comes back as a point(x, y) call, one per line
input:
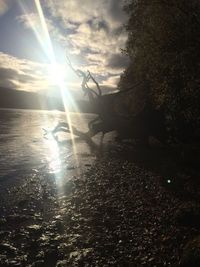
point(46, 32)
point(45, 41)
point(52, 59)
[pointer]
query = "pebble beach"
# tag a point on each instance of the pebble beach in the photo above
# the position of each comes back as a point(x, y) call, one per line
point(116, 212)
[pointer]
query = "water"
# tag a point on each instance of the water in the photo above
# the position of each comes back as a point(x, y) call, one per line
point(24, 150)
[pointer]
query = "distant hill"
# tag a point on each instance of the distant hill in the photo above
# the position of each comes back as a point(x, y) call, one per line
point(10, 98)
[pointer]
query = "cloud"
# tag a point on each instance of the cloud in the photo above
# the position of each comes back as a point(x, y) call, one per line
point(111, 81)
point(91, 31)
point(22, 74)
point(32, 76)
point(98, 33)
point(98, 36)
point(7, 77)
point(77, 11)
point(32, 21)
point(118, 61)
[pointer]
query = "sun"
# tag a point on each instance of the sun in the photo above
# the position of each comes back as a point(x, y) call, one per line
point(56, 74)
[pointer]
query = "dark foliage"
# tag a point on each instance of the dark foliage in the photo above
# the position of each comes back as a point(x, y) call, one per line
point(163, 46)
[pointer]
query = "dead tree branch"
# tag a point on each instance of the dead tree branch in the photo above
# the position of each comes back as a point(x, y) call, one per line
point(86, 78)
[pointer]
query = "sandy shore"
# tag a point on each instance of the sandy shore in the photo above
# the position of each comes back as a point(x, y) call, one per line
point(119, 212)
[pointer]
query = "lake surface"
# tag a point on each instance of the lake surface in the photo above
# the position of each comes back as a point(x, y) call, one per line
point(25, 151)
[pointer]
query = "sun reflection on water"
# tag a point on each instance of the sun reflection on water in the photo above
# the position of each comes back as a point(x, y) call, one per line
point(53, 156)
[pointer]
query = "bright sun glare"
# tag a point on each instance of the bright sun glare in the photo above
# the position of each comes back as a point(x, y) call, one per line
point(56, 73)
point(53, 158)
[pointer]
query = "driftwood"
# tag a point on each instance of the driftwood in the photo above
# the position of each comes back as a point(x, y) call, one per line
point(116, 112)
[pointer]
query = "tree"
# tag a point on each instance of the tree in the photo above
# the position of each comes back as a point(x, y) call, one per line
point(164, 49)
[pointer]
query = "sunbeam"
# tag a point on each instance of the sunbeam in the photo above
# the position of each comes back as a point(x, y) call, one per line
point(55, 73)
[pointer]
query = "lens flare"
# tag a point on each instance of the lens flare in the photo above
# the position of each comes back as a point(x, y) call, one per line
point(53, 63)
point(44, 39)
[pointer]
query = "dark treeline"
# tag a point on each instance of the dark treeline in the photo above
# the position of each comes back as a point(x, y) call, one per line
point(10, 98)
point(164, 50)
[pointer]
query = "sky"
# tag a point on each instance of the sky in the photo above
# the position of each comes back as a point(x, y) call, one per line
point(36, 36)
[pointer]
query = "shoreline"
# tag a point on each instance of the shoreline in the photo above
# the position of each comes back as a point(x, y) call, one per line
point(116, 213)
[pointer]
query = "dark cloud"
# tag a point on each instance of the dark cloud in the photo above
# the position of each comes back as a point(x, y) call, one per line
point(116, 11)
point(6, 83)
point(24, 78)
point(118, 31)
point(97, 25)
point(7, 72)
point(7, 77)
point(118, 61)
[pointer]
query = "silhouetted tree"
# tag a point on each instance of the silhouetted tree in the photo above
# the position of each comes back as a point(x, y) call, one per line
point(164, 49)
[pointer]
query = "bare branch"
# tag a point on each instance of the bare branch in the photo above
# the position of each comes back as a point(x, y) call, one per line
point(85, 87)
point(97, 85)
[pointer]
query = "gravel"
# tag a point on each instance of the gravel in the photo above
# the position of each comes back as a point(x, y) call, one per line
point(116, 214)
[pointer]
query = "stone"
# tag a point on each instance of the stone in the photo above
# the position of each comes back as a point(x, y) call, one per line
point(8, 249)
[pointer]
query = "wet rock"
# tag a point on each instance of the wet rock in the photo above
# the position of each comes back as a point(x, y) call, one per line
point(75, 254)
point(40, 255)
point(191, 254)
point(14, 263)
point(8, 249)
point(62, 263)
point(44, 240)
point(34, 228)
point(39, 263)
point(79, 255)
